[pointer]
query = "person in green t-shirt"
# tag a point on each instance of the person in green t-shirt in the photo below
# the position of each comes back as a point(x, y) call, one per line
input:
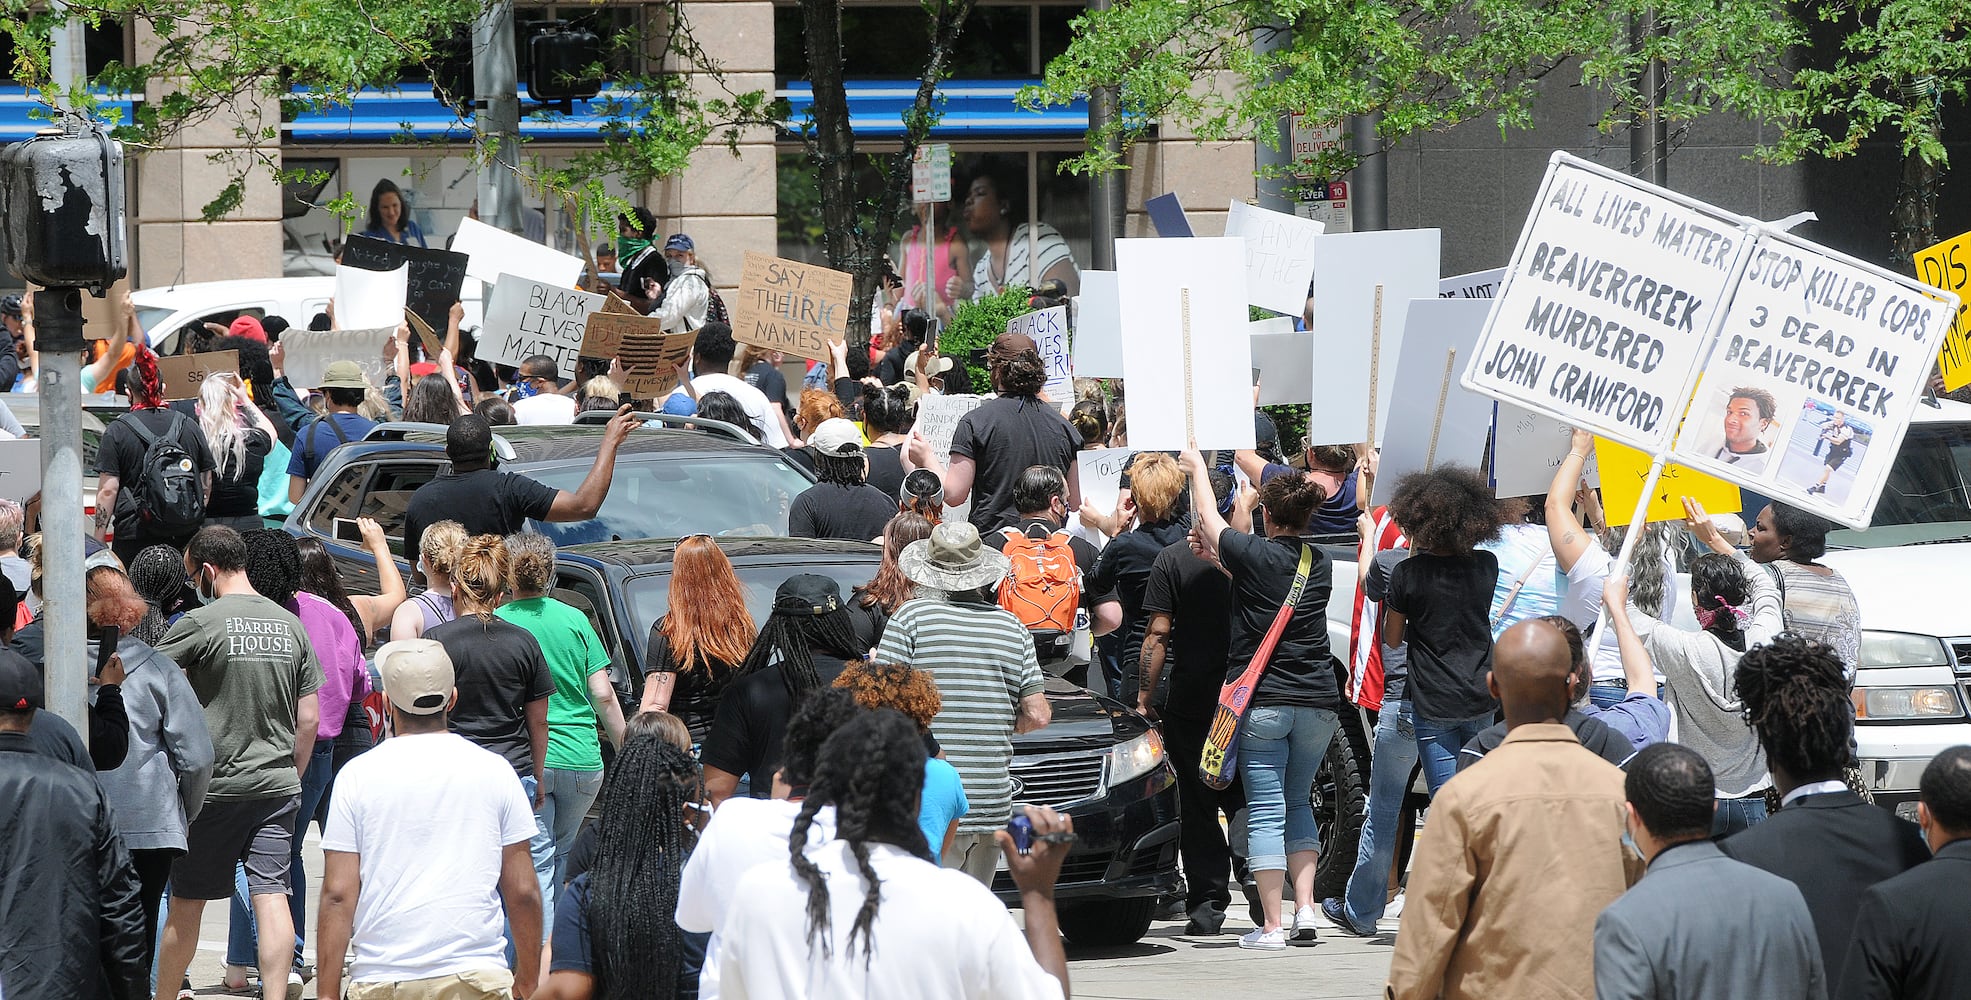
point(582, 691)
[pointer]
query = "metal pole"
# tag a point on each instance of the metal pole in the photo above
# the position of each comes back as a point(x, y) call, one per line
point(1649, 139)
point(1106, 206)
point(1370, 178)
point(1275, 160)
point(496, 116)
point(58, 337)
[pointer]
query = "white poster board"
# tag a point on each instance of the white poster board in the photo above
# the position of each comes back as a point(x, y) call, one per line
point(1049, 330)
point(525, 317)
point(1527, 447)
point(367, 299)
point(1098, 326)
point(494, 252)
point(1101, 475)
point(1188, 363)
point(937, 420)
point(307, 354)
point(1438, 422)
point(1350, 346)
point(1820, 363)
point(1606, 307)
point(20, 470)
point(1279, 256)
point(1476, 285)
point(1286, 365)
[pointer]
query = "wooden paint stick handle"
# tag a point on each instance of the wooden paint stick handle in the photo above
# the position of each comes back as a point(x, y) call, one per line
point(1190, 421)
point(1443, 394)
point(1375, 365)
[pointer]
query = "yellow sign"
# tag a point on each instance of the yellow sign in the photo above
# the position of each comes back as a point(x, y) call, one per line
point(1623, 470)
point(1948, 266)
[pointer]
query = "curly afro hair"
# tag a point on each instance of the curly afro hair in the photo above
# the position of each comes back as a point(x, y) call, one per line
point(1448, 509)
point(894, 685)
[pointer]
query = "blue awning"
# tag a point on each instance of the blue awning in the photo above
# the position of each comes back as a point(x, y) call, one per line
point(412, 110)
point(22, 114)
point(971, 108)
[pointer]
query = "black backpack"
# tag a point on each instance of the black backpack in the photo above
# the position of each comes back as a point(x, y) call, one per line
point(168, 490)
point(715, 310)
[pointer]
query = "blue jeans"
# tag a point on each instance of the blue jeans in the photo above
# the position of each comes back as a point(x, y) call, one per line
point(1734, 815)
point(1605, 695)
point(1281, 750)
point(542, 849)
point(1438, 744)
point(242, 938)
point(569, 796)
point(1389, 782)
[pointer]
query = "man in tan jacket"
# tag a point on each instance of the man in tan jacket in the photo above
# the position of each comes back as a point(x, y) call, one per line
point(1522, 851)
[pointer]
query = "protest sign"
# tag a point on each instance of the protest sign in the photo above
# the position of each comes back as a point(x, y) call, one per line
point(370, 298)
point(432, 345)
point(1188, 356)
point(1098, 326)
point(308, 353)
point(937, 419)
point(1476, 285)
point(1101, 471)
point(493, 252)
point(650, 361)
point(432, 283)
point(20, 469)
point(1820, 363)
point(603, 336)
point(1607, 306)
point(1285, 359)
point(788, 306)
point(1948, 266)
point(1279, 256)
point(182, 374)
point(1438, 422)
point(525, 317)
point(1167, 215)
point(1049, 330)
point(1624, 470)
point(1363, 284)
point(1526, 449)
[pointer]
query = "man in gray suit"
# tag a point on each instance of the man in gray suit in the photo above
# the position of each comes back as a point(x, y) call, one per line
point(1699, 924)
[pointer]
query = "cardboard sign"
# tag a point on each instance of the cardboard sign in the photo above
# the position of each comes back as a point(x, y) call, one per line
point(183, 374)
point(651, 361)
point(493, 252)
point(1624, 470)
point(425, 335)
point(1167, 215)
point(1098, 326)
point(788, 306)
point(1049, 330)
point(1285, 360)
point(308, 353)
point(1363, 284)
point(1948, 266)
point(1279, 256)
point(526, 317)
point(432, 284)
point(1187, 362)
point(1439, 422)
point(1476, 285)
point(1607, 305)
point(1101, 472)
point(1527, 448)
point(20, 469)
point(370, 298)
point(1820, 364)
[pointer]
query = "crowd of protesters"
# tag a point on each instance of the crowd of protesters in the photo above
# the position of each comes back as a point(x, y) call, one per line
point(816, 803)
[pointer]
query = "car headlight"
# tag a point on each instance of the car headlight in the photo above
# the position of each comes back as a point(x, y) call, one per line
point(1902, 649)
point(1132, 759)
point(1928, 702)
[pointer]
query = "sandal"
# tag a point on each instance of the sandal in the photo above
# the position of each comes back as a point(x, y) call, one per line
point(238, 979)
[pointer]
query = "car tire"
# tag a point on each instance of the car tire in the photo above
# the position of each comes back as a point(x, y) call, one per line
point(1341, 804)
point(1107, 923)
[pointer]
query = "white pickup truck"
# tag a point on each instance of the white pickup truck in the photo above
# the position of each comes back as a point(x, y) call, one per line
point(1911, 573)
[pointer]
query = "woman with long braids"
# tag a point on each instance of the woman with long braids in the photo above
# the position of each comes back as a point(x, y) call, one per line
point(805, 644)
point(615, 936)
point(880, 918)
point(695, 649)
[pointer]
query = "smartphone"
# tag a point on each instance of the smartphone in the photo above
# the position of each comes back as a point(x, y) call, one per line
point(1021, 830)
point(623, 399)
point(106, 646)
point(347, 530)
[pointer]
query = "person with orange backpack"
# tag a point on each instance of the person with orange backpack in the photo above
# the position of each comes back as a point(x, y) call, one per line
point(1046, 583)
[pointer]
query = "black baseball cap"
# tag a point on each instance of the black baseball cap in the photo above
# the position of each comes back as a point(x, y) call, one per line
point(807, 595)
point(10, 305)
point(20, 683)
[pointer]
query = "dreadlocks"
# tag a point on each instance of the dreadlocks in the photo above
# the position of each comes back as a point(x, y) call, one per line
point(792, 641)
point(641, 845)
point(1796, 699)
point(871, 771)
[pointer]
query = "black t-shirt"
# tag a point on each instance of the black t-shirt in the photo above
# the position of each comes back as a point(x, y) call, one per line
point(1123, 571)
point(121, 454)
point(1301, 672)
point(751, 722)
point(1004, 437)
point(831, 510)
point(800, 456)
point(768, 379)
point(237, 494)
point(886, 469)
point(648, 264)
point(1446, 602)
point(1198, 599)
point(1395, 662)
point(1593, 733)
point(484, 502)
point(575, 952)
point(696, 693)
point(500, 671)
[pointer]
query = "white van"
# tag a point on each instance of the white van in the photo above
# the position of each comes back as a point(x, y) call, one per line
point(166, 312)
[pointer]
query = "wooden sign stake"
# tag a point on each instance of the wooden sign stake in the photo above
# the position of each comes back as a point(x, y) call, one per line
point(1443, 393)
point(1375, 375)
point(1190, 422)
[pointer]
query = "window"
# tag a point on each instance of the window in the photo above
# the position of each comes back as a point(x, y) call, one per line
point(340, 498)
point(891, 42)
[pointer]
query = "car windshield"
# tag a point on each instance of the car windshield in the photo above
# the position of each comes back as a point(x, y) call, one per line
point(739, 494)
point(149, 317)
point(1928, 496)
point(650, 594)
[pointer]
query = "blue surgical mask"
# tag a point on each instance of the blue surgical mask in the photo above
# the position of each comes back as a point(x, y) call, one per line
point(520, 391)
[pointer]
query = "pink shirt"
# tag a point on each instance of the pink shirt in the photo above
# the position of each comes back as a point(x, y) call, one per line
point(345, 677)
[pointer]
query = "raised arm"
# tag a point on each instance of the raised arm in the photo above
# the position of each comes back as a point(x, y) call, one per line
point(376, 611)
point(1636, 668)
point(1209, 522)
point(1570, 538)
point(587, 498)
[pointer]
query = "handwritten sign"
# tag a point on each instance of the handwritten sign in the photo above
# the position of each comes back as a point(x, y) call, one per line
point(651, 361)
point(526, 317)
point(789, 306)
point(937, 419)
point(1279, 256)
point(369, 298)
point(433, 278)
point(1101, 472)
point(308, 353)
point(1049, 330)
point(1527, 448)
point(1948, 266)
point(183, 374)
point(1624, 470)
point(494, 252)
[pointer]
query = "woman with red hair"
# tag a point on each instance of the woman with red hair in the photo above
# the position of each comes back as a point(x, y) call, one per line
point(696, 648)
point(143, 521)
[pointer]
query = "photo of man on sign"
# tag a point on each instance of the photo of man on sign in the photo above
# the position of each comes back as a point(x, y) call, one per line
point(1739, 429)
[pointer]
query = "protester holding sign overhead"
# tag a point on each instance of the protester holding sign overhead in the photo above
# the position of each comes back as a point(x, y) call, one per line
point(1000, 439)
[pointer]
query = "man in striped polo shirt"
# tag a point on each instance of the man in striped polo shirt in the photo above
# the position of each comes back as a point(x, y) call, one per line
point(983, 661)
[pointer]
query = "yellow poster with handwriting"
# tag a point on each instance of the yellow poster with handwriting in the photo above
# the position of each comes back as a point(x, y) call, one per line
point(1623, 470)
point(1948, 266)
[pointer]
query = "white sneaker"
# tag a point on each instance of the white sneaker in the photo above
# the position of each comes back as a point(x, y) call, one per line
point(294, 985)
point(1304, 921)
point(1394, 909)
point(1264, 940)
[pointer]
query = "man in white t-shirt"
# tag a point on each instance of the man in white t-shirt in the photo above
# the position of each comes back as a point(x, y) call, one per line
point(426, 854)
point(545, 403)
point(711, 357)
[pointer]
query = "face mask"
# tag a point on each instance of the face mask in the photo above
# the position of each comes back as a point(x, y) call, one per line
point(520, 391)
point(207, 590)
point(1629, 842)
point(628, 247)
